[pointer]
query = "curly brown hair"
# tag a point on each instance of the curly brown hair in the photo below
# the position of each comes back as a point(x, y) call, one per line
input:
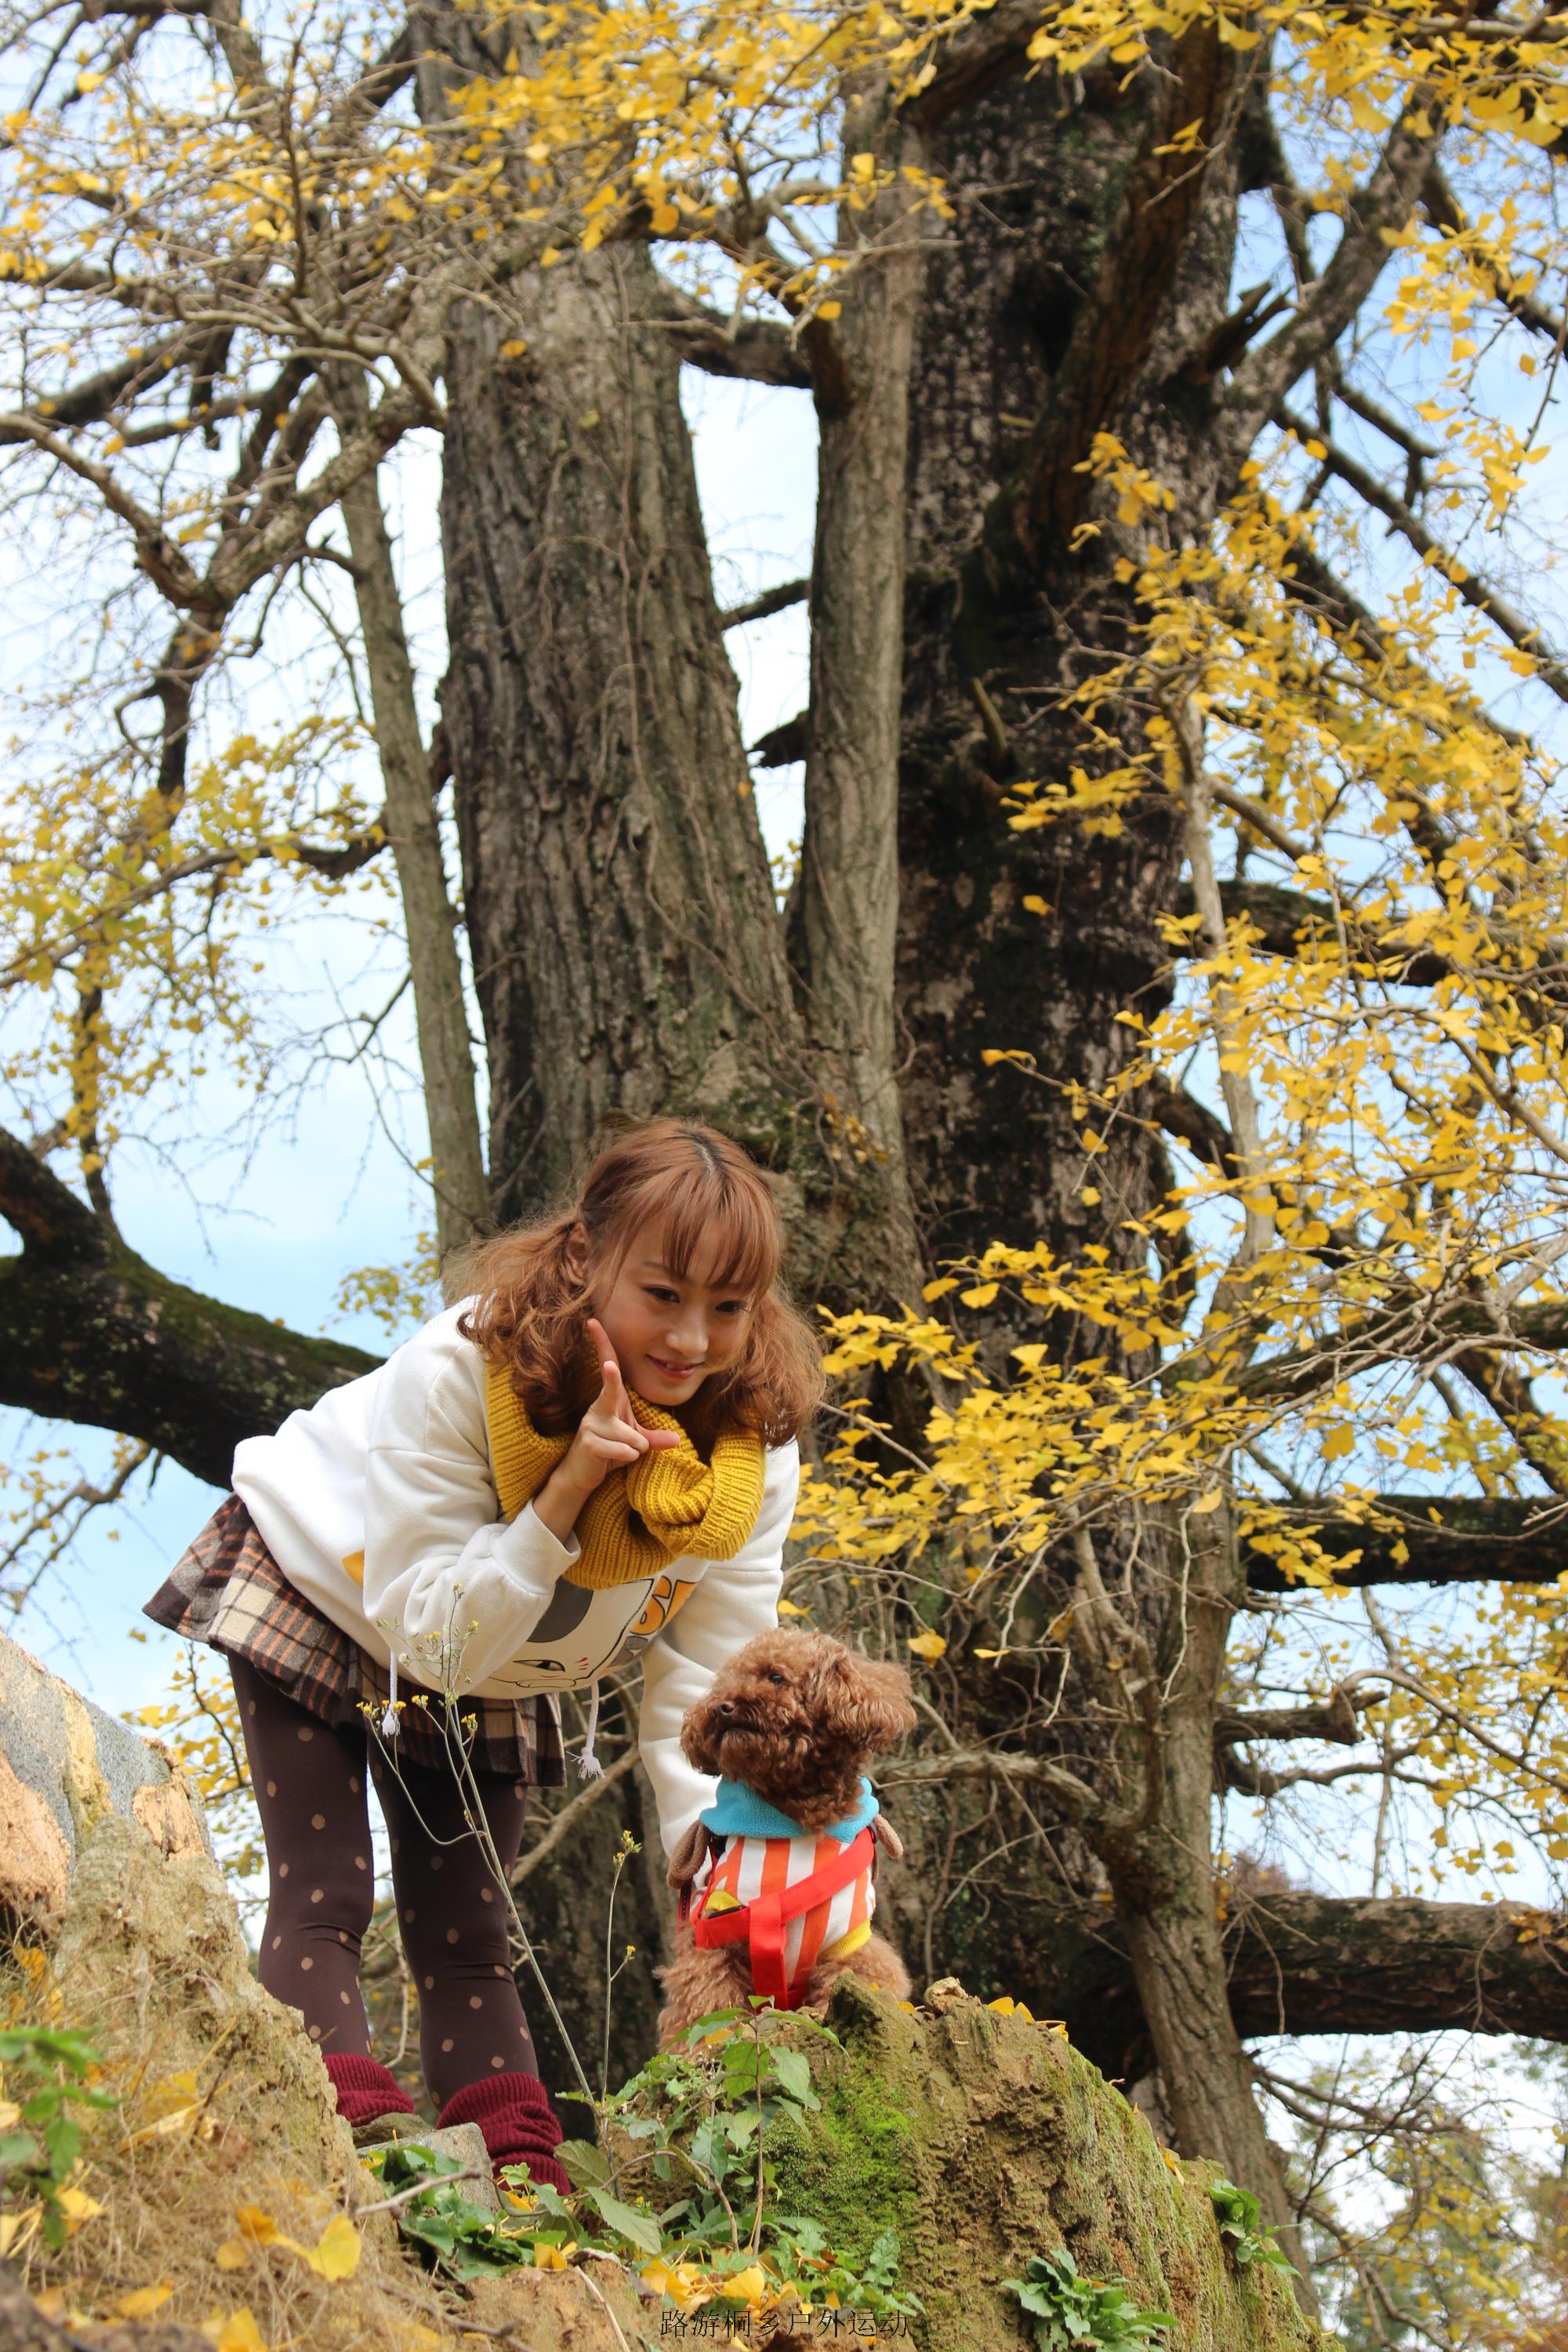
point(700, 1189)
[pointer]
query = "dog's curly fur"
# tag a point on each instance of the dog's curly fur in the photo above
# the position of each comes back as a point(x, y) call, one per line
point(796, 1716)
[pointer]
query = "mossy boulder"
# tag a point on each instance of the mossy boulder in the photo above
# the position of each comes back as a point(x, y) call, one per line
point(982, 2138)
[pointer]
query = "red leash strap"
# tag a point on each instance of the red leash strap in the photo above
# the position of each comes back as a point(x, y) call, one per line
point(763, 1919)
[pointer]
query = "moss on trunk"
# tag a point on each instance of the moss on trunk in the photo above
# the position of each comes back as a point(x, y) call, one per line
point(982, 2138)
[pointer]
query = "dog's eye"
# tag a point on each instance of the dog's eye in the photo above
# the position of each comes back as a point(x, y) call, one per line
point(774, 1676)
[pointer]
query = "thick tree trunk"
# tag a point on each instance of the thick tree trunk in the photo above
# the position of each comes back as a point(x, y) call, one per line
point(1007, 357)
point(1079, 277)
point(627, 948)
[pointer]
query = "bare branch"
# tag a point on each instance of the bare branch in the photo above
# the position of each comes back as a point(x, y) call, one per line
point(763, 607)
point(757, 350)
point(1327, 307)
point(1333, 1720)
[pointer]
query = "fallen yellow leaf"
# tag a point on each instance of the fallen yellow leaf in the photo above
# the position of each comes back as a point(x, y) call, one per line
point(237, 2333)
point(257, 2224)
point(143, 2301)
point(750, 2285)
point(928, 1644)
point(233, 2254)
point(15, 2228)
point(552, 2258)
point(335, 2254)
point(77, 2205)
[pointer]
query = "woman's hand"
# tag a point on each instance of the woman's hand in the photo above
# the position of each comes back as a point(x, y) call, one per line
point(609, 1437)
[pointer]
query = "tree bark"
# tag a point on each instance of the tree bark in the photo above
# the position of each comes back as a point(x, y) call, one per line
point(445, 1051)
point(848, 896)
point(1048, 257)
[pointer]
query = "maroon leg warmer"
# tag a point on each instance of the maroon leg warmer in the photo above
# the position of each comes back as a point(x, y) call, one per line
point(364, 2088)
point(520, 2126)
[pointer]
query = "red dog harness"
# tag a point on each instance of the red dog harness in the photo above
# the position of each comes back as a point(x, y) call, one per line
point(762, 1921)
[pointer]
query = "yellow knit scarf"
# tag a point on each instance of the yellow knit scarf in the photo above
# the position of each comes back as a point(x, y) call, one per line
point(685, 1506)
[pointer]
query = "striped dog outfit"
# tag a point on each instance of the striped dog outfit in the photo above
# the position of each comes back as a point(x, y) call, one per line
point(795, 1896)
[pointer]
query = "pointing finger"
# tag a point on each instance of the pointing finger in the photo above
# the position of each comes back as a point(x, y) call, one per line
point(603, 1349)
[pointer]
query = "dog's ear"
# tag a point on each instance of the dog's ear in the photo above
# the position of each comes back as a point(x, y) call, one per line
point(871, 1700)
point(687, 1860)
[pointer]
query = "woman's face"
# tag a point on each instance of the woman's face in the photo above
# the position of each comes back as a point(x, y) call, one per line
point(670, 1332)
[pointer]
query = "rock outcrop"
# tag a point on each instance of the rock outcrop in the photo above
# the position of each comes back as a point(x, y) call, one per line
point(65, 1765)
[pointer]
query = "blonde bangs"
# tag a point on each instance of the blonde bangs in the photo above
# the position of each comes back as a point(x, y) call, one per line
point(708, 1218)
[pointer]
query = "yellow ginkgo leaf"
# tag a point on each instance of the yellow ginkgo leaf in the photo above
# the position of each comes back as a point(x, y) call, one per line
point(233, 2254)
point(748, 2285)
point(928, 1644)
point(552, 2258)
point(143, 2301)
point(77, 2205)
point(335, 2254)
point(790, 1609)
point(237, 2333)
point(257, 2224)
point(15, 2228)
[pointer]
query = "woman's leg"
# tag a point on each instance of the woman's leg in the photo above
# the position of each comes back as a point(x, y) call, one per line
point(309, 1783)
point(453, 1920)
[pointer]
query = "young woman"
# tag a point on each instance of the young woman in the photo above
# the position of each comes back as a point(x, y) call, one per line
point(591, 1459)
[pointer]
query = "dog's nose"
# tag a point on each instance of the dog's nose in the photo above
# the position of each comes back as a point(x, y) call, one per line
point(725, 1707)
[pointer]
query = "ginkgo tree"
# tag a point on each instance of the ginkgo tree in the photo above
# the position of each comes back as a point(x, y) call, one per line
point(1171, 987)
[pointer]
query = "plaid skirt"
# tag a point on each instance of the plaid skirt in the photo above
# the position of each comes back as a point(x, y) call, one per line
point(227, 1591)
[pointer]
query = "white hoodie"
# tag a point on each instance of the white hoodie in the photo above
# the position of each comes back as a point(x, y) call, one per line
point(379, 1504)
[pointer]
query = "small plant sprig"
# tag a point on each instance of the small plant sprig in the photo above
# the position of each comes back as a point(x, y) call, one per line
point(458, 2235)
point(40, 2141)
point(1243, 2230)
point(1074, 2314)
point(701, 2145)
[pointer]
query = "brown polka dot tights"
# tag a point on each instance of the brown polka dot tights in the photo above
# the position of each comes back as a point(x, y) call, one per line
point(309, 1783)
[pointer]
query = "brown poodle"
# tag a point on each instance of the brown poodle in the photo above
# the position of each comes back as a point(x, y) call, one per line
point(793, 1717)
